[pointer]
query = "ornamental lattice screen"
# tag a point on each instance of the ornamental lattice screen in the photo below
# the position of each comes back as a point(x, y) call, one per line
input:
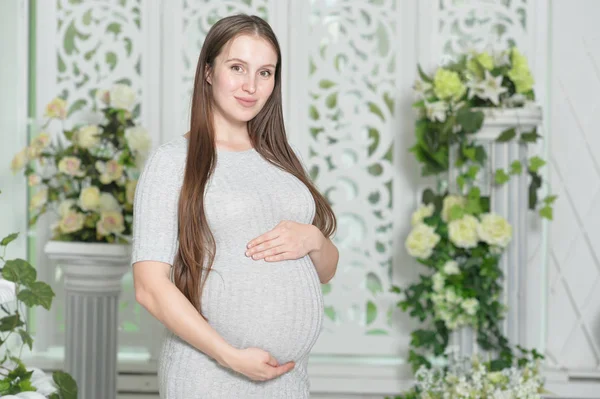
point(348, 69)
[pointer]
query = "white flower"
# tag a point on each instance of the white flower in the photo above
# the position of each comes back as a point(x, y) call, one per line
point(87, 136)
point(39, 199)
point(422, 89)
point(122, 96)
point(109, 171)
point(89, 199)
point(138, 139)
point(108, 202)
point(463, 232)
point(110, 222)
point(421, 241)
point(103, 96)
point(71, 222)
point(438, 282)
point(130, 190)
point(19, 160)
point(65, 206)
point(41, 141)
point(70, 166)
point(490, 88)
point(470, 306)
point(451, 267)
point(421, 213)
point(33, 152)
point(501, 58)
point(449, 202)
point(494, 230)
point(436, 111)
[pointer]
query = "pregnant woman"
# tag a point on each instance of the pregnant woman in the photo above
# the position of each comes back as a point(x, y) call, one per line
point(231, 239)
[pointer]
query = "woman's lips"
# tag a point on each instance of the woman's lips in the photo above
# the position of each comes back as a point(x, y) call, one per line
point(246, 102)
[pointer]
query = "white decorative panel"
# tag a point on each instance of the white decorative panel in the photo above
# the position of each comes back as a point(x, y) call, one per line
point(352, 76)
point(573, 339)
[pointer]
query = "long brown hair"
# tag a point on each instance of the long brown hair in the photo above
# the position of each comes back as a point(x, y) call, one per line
point(268, 136)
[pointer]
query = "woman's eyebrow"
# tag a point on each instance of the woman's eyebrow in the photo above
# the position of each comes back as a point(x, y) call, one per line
point(244, 62)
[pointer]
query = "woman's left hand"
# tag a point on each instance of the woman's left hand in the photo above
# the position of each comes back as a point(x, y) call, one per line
point(287, 240)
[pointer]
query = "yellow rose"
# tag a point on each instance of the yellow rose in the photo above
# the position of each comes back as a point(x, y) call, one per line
point(33, 152)
point(70, 166)
point(89, 199)
point(87, 136)
point(130, 191)
point(494, 230)
point(449, 202)
point(109, 171)
point(71, 222)
point(19, 161)
point(138, 139)
point(121, 96)
point(421, 213)
point(33, 180)
point(110, 222)
point(108, 202)
point(520, 74)
point(421, 241)
point(447, 84)
point(463, 232)
point(65, 207)
point(39, 199)
point(57, 108)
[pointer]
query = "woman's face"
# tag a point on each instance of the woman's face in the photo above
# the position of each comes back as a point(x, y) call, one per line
point(243, 77)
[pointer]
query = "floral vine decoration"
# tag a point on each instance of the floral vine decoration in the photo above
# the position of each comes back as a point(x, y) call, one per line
point(87, 174)
point(451, 104)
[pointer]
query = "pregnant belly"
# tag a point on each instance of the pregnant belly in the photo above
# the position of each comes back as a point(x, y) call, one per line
point(277, 306)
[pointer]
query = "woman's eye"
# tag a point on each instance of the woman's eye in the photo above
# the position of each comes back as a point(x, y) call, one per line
point(265, 74)
point(236, 68)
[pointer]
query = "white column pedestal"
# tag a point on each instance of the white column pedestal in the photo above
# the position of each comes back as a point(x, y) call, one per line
point(92, 283)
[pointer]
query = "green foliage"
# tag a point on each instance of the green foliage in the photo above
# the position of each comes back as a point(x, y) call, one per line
point(29, 293)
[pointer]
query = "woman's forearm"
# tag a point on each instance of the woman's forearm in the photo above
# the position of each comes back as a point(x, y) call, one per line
point(324, 256)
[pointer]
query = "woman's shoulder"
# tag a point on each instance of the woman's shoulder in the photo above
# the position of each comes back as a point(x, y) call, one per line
point(168, 158)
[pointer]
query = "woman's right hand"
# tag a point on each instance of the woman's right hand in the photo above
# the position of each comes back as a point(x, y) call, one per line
point(257, 364)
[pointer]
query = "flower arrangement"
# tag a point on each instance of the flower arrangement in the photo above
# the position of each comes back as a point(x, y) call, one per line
point(461, 242)
point(87, 175)
point(450, 104)
point(17, 380)
point(472, 378)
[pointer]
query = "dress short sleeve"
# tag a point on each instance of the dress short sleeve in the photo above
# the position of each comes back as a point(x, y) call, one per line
point(155, 208)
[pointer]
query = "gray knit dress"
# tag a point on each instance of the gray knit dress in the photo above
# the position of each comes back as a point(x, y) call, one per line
point(275, 306)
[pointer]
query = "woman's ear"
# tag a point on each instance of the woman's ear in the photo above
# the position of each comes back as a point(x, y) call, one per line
point(207, 74)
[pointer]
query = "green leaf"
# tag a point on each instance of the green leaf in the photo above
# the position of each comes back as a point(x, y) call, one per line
point(501, 177)
point(469, 152)
point(67, 387)
point(326, 84)
point(19, 271)
point(8, 239)
point(456, 212)
point(27, 340)
point(549, 200)
point(472, 172)
point(9, 323)
point(546, 212)
point(516, 168)
point(530, 137)
point(535, 163)
point(76, 106)
point(507, 135)
point(469, 121)
point(38, 293)
point(371, 312)
point(423, 75)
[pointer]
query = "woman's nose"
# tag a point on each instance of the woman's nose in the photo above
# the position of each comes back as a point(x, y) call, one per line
point(249, 85)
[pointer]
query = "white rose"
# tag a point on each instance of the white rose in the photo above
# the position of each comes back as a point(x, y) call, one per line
point(463, 232)
point(103, 96)
point(421, 213)
point(495, 230)
point(33, 152)
point(130, 191)
point(33, 180)
point(87, 136)
point(138, 139)
point(108, 202)
point(449, 202)
point(121, 96)
point(89, 199)
point(451, 296)
point(39, 199)
point(421, 241)
point(70, 166)
point(65, 206)
point(41, 141)
point(57, 108)
point(109, 171)
point(470, 306)
point(110, 222)
point(19, 160)
point(71, 222)
point(451, 267)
